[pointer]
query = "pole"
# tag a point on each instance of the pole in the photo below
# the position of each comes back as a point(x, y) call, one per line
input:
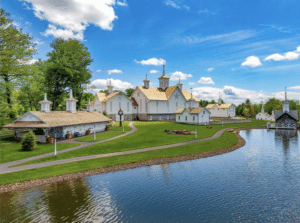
point(120, 120)
point(55, 152)
point(123, 127)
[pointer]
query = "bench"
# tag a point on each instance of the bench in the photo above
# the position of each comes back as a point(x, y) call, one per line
point(77, 134)
point(59, 135)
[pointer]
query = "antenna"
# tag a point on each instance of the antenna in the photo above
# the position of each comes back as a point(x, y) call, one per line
point(285, 95)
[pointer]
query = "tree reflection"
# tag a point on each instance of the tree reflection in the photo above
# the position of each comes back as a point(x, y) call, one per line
point(68, 200)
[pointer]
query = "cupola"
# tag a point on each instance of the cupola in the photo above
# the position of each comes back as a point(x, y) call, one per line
point(45, 104)
point(262, 107)
point(90, 106)
point(179, 85)
point(146, 82)
point(164, 80)
point(110, 88)
point(219, 100)
point(71, 103)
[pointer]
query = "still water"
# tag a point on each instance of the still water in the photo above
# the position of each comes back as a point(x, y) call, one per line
point(259, 182)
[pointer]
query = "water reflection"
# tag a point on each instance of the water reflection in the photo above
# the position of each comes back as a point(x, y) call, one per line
point(258, 183)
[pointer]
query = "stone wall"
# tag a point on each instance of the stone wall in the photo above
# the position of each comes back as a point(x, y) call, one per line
point(230, 121)
point(39, 138)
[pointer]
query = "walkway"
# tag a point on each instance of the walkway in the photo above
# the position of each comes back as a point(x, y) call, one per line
point(4, 168)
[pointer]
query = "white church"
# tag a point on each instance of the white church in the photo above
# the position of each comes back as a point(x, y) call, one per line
point(264, 115)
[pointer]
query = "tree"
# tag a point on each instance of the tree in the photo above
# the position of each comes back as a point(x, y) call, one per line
point(203, 103)
point(28, 142)
point(85, 99)
point(213, 102)
point(246, 112)
point(16, 51)
point(129, 91)
point(272, 104)
point(103, 91)
point(67, 67)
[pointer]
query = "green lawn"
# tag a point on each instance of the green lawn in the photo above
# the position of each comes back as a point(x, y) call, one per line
point(149, 134)
point(99, 137)
point(118, 128)
point(226, 140)
point(11, 150)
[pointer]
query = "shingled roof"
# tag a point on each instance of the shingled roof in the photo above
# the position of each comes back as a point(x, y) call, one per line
point(59, 118)
point(196, 110)
point(210, 106)
point(292, 113)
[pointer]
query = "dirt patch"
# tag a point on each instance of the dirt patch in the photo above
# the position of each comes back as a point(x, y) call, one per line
point(66, 177)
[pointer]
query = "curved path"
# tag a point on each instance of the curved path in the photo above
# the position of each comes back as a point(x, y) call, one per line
point(5, 168)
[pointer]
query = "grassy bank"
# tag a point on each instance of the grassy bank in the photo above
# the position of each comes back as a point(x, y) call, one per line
point(226, 140)
point(11, 150)
point(99, 137)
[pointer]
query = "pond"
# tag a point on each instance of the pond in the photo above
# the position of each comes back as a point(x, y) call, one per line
point(258, 182)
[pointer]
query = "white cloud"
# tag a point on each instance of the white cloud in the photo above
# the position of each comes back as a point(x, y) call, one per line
point(179, 75)
point(186, 7)
point(206, 80)
point(28, 62)
point(226, 38)
point(295, 87)
point(153, 71)
point(70, 18)
point(210, 69)
point(38, 42)
point(287, 56)
point(252, 61)
point(152, 61)
point(124, 3)
point(172, 3)
point(114, 71)
point(101, 84)
point(98, 71)
point(192, 83)
point(206, 11)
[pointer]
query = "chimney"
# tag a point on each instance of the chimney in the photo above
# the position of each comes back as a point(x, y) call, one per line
point(45, 104)
point(71, 103)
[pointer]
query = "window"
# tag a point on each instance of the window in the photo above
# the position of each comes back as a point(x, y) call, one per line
point(134, 107)
point(110, 104)
point(168, 103)
point(193, 118)
point(128, 106)
point(157, 103)
point(176, 104)
point(185, 118)
point(141, 104)
point(119, 105)
point(179, 117)
point(203, 112)
point(146, 105)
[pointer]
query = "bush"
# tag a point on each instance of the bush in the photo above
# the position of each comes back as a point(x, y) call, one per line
point(28, 142)
point(105, 113)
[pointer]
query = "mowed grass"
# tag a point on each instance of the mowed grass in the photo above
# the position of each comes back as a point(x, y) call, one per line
point(226, 140)
point(11, 150)
point(118, 128)
point(99, 137)
point(149, 134)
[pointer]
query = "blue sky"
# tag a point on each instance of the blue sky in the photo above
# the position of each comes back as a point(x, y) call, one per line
point(240, 49)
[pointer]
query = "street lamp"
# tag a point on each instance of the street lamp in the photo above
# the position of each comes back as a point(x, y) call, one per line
point(120, 113)
point(195, 131)
point(55, 152)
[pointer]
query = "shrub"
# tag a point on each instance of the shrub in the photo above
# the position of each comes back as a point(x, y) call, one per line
point(28, 142)
point(105, 113)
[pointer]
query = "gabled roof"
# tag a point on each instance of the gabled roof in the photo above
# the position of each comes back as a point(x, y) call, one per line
point(134, 103)
point(59, 118)
point(196, 110)
point(158, 94)
point(210, 106)
point(292, 113)
point(104, 97)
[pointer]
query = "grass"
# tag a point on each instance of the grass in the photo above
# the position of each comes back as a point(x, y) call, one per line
point(149, 134)
point(226, 140)
point(11, 150)
point(118, 128)
point(99, 137)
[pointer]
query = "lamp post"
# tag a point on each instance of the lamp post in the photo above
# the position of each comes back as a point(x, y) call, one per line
point(120, 113)
point(195, 131)
point(55, 152)
point(94, 133)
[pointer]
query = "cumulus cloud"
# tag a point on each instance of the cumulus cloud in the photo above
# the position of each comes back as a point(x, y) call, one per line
point(252, 61)
point(98, 71)
point(287, 56)
point(172, 4)
point(28, 62)
point(179, 75)
point(153, 71)
point(124, 3)
point(186, 7)
point(210, 69)
point(70, 18)
point(192, 83)
point(101, 84)
point(114, 71)
point(206, 80)
point(152, 61)
point(295, 87)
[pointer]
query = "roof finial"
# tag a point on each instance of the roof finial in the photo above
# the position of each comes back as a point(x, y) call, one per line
point(164, 72)
point(179, 80)
point(191, 93)
point(285, 95)
point(146, 76)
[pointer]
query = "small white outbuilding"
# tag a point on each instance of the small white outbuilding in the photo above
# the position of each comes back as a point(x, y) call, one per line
point(198, 115)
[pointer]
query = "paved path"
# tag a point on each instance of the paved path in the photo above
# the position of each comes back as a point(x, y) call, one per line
point(4, 168)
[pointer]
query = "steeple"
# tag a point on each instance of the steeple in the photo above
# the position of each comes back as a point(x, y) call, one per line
point(146, 82)
point(110, 88)
point(219, 100)
point(90, 106)
point(262, 107)
point(45, 104)
point(179, 85)
point(71, 103)
point(164, 80)
point(285, 104)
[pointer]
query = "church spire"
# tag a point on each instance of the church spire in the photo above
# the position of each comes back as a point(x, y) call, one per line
point(219, 100)
point(164, 70)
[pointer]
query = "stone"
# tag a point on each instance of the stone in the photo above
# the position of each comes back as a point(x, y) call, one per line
point(166, 130)
point(192, 132)
point(230, 130)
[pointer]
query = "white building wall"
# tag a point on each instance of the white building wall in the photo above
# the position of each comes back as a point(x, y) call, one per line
point(222, 112)
point(200, 118)
point(99, 127)
point(231, 111)
point(98, 105)
point(28, 117)
point(142, 101)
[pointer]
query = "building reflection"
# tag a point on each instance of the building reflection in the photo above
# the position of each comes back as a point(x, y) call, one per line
point(286, 139)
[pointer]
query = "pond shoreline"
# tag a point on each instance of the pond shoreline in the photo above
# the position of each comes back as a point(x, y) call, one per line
point(66, 177)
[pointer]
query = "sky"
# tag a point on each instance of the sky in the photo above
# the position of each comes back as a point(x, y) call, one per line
point(235, 49)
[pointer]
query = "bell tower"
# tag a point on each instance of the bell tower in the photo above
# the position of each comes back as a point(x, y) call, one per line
point(164, 80)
